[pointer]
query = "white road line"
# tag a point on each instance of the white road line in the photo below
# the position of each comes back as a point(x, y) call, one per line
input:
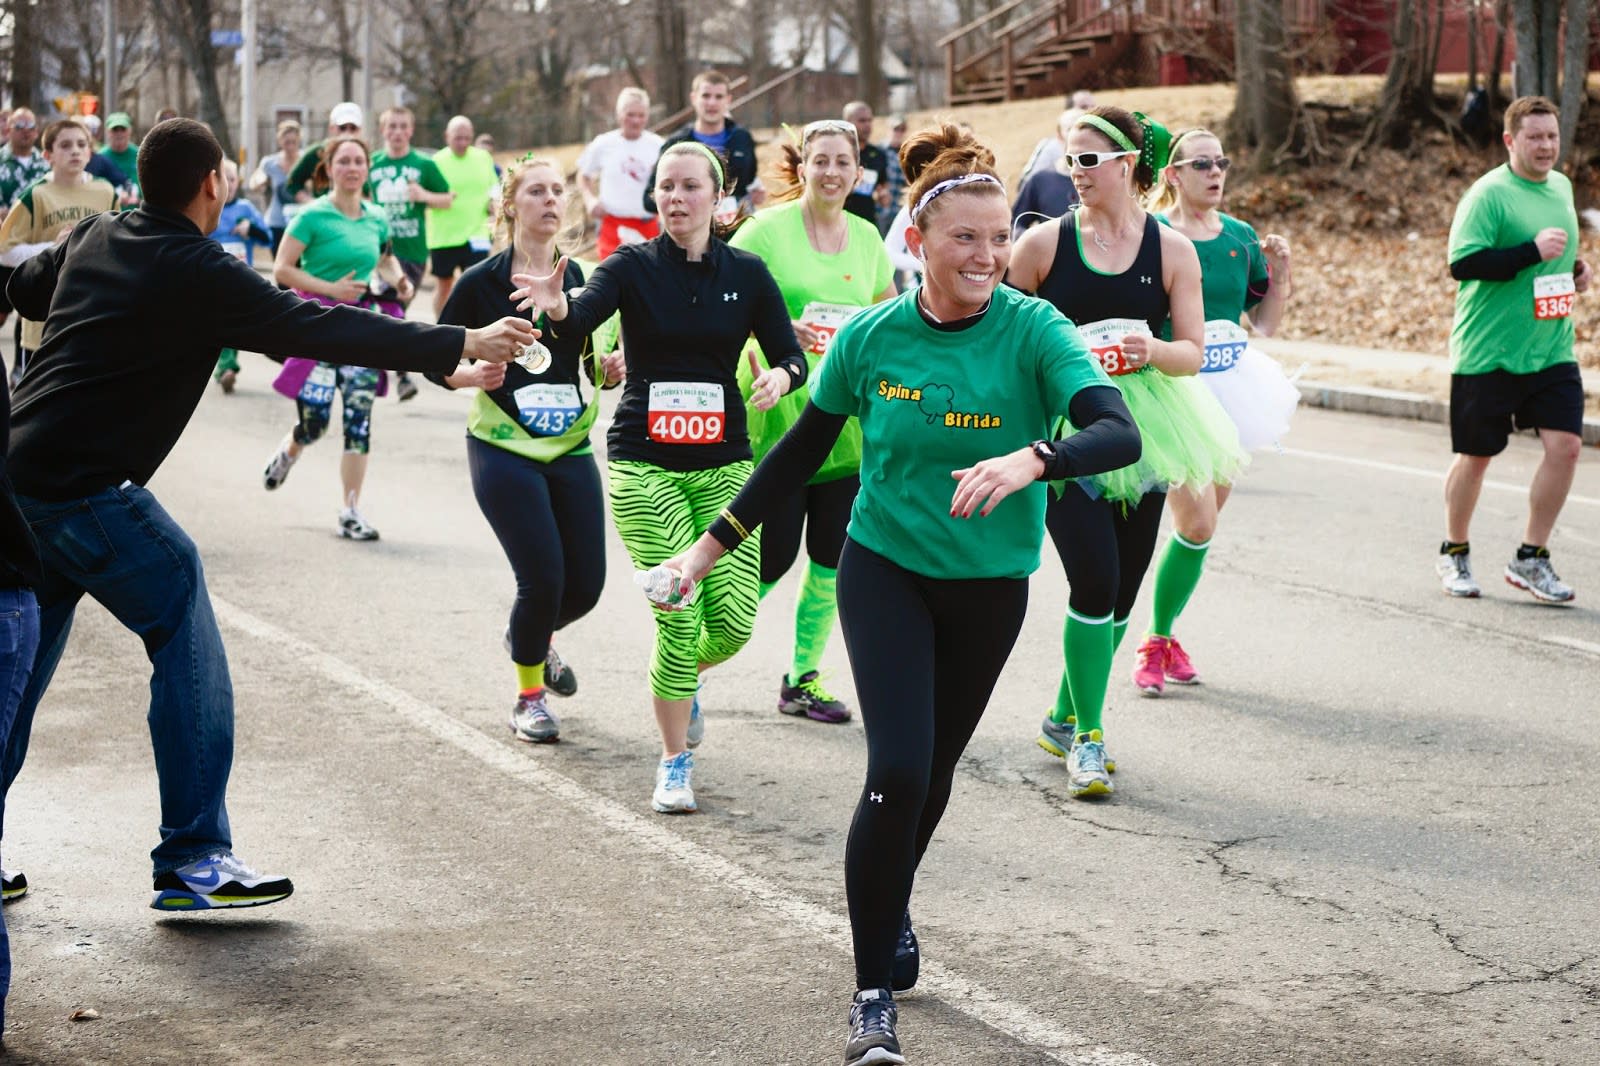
point(1013, 1019)
point(1417, 471)
point(1575, 644)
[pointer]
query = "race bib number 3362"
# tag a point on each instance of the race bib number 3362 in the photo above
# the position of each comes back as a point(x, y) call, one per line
point(1553, 295)
point(686, 412)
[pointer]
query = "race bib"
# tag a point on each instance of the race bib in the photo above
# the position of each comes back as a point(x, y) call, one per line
point(686, 412)
point(1553, 295)
point(547, 410)
point(320, 385)
point(479, 244)
point(1105, 341)
point(869, 181)
point(727, 210)
point(1225, 344)
point(235, 249)
point(825, 320)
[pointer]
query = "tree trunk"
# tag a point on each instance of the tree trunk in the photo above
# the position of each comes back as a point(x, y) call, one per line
point(1549, 48)
point(1527, 70)
point(1474, 31)
point(1575, 64)
point(1497, 63)
point(26, 51)
point(191, 22)
point(869, 55)
point(672, 42)
point(1265, 107)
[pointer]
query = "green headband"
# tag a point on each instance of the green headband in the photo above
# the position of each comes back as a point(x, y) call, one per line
point(716, 164)
point(1157, 139)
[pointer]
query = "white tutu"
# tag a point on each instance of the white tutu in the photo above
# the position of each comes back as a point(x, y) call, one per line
point(1257, 395)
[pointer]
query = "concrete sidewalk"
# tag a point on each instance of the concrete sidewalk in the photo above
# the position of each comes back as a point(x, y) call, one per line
point(1375, 381)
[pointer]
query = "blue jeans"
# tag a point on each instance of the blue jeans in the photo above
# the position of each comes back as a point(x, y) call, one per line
point(120, 547)
point(19, 640)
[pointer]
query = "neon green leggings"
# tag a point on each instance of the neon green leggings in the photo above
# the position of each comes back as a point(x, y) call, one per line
point(659, 513)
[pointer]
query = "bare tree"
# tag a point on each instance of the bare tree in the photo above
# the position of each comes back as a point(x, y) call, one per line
point(327, 32)
point(444, 56)
point(24, 76)
point(868, 28)
point(1543, 68)
point(191, 22)
point(671, 50)
point(75, 40)
point(1266, 108)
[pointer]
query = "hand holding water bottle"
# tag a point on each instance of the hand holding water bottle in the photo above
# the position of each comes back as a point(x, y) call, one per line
point(671, 585)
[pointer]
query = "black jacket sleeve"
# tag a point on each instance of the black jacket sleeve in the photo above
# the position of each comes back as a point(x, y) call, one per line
point(792, 462)
point(34, 282)
point(1495, 264)
point(601, 296)
point(1107, 438)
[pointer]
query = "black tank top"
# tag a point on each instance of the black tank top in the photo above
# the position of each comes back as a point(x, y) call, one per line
point(1085, 295)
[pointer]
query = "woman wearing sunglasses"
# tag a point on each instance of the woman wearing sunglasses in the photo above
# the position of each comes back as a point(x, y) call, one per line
point(1239, 273)
point(955, 384)
point(829, 264)
point(1120, 275)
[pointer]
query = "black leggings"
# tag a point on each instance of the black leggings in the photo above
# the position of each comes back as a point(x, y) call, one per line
point(1105, 550)
point(550, 519)
point(925, 655)
point(823, 511)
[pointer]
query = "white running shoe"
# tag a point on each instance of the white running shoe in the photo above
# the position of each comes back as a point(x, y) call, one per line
point(353, 527)
point(675, 785)
point(278, 467)
point(1537, 576)
point(1455, 574)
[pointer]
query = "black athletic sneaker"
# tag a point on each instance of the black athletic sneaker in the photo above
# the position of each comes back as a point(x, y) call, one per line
point(13, 885)
point(872, 1036)
point(558, 676)
point(217, 881)
point(907, 960)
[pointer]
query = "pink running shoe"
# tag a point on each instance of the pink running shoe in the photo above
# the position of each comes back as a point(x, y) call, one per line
point(1149, 675)
point(1180, 671)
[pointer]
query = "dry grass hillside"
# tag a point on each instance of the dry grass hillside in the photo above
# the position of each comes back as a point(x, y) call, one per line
point(1369, 244)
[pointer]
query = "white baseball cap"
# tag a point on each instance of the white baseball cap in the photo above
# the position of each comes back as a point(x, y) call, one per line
point(345, 114)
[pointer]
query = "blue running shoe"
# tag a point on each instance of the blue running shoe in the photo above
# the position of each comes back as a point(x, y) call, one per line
point(697, 721)
point(217, 881)
point(872, 1036)
point(1057, 740)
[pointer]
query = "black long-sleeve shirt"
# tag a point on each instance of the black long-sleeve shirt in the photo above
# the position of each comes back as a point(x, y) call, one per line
point(19, 555)
point(1496, 264)
point(136, 306)
point(684, 324)
point(739, 151)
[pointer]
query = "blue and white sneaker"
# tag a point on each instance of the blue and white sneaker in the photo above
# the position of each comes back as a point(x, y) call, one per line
point(217, 881)
point(1086, 767)
point(675, 785)
point(872, 1036)
point(697, 721)
point(1057, 740)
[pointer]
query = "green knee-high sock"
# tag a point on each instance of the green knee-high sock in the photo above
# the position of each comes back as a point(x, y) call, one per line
point(766, 587)
point(1176, 579)
point(814, 612)
point(1119, 629)
point(1088, 644)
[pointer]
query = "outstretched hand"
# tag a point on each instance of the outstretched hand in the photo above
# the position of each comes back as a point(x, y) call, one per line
point(542, 292)
point(770, 384)
point(986, 483)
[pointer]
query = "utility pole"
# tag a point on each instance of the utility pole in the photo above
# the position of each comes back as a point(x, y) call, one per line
point(366, 62)
point(108, 85)
point(248, 132)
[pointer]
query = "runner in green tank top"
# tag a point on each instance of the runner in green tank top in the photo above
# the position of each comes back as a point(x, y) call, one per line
point(829, 265)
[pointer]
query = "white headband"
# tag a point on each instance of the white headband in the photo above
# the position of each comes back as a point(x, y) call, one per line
point(945, 186)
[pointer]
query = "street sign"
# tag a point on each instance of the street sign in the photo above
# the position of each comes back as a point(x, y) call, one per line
point(227, 38)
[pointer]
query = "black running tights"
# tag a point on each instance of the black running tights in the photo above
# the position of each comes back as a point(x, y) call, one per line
point(1105, 549)
point(551, 521)
point(823, 511)
point(925, 655)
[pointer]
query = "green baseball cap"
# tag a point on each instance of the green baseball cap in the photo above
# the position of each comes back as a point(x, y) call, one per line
point(119, 120)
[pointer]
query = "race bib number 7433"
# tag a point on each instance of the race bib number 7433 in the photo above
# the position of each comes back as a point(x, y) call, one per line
point(1553, 295)
point(686, 412)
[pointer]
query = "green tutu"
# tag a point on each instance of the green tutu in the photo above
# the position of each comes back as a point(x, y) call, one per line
point(1188, 439)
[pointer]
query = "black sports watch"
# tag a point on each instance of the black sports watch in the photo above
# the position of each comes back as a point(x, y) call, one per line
point(1046, 451)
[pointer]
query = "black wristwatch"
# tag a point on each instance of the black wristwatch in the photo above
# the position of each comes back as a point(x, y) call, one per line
point(1046, 451)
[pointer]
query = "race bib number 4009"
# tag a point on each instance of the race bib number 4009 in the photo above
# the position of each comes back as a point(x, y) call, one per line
point(1553, 295)
point(686, 412)
point(1225, 343)
point(825, 320)
point(1105, 341)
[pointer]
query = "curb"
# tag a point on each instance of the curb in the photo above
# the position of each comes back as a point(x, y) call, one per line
point(1393, 403)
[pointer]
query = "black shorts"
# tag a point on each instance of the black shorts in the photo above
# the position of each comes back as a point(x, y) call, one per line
point(1484, 408)
point(446, 261)
point(413, 271)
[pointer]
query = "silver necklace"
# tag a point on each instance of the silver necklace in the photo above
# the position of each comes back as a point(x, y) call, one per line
point(1105, 245)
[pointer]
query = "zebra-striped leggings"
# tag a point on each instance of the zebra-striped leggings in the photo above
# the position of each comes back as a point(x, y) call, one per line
point(659, 513)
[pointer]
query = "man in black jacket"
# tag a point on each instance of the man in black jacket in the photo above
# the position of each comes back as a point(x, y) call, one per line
point(136, 306)
point(710, 97)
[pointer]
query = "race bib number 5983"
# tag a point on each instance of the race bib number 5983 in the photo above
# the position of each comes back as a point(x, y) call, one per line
point(686, 412)
point(1553, 295)
point(1225, 343)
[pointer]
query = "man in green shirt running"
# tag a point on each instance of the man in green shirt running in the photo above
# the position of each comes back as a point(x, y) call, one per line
point(1513, 248)
point(121, 150)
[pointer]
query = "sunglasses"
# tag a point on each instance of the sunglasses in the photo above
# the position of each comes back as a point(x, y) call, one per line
point(348, 127)
point(23, 125)
point(828, 125)
point(1090, 160)
point(1205, 163)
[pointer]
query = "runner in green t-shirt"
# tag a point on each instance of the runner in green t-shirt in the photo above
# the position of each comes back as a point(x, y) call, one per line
point(458, 235)
point(121, 150)
point(952, 383)
point(829, 265)
point(404, 182)
point(1514, 250)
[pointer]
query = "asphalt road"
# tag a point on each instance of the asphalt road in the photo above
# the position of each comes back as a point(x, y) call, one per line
point(1369, 836)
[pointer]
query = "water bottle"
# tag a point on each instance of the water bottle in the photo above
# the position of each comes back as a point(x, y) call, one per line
point(660, 585)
